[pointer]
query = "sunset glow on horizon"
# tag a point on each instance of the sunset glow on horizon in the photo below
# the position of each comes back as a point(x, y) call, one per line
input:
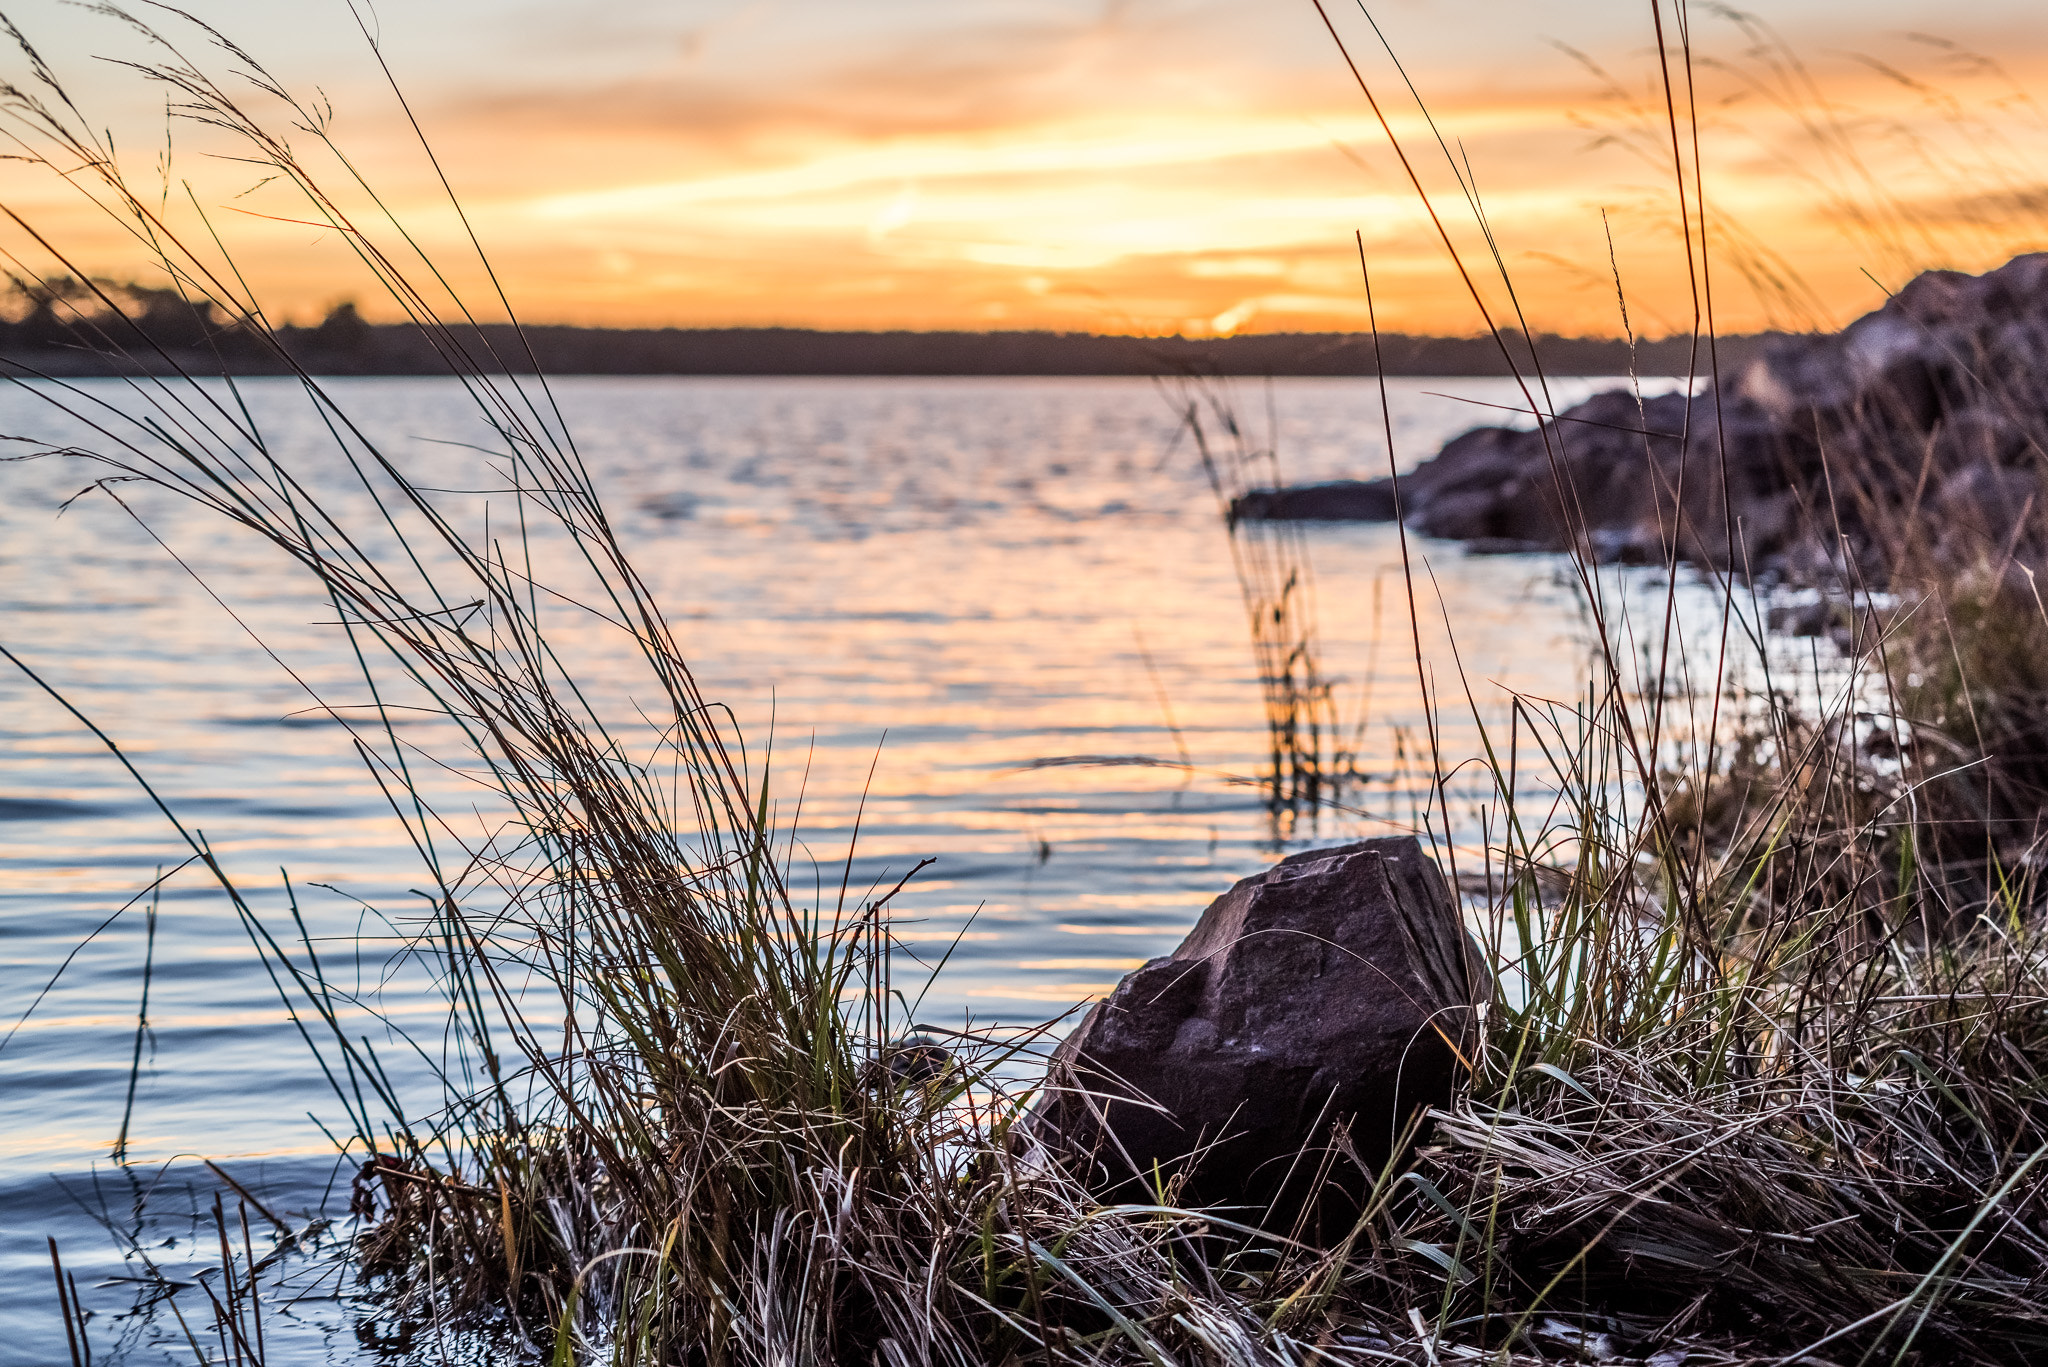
point(1169, 167)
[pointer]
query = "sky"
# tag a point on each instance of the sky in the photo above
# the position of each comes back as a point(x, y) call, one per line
point(1148, 166)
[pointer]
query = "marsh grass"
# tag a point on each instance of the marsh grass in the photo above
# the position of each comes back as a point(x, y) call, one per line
point(1310, 760)
point(673, 1115)
point(1764, 1069)
point(1740, 1095)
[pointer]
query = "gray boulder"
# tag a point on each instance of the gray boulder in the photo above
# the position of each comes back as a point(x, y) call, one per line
point(1333, 994)
point(1618, 479)
point(1815, 460)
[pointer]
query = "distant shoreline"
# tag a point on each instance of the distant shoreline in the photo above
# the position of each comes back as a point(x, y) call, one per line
point(346, 345)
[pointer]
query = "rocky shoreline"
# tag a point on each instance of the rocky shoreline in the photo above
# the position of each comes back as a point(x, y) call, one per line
point(1916, 433)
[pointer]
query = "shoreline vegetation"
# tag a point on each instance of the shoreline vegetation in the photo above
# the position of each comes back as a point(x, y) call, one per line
point(1763, 1076)
point(64, 329)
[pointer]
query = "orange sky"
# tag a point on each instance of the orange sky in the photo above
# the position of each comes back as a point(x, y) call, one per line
point(1176, 166)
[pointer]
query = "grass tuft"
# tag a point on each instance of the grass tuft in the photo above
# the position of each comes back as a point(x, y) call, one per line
point(1762, 1074)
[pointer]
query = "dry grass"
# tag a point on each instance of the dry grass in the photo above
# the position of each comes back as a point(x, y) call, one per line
point(1742, 1095)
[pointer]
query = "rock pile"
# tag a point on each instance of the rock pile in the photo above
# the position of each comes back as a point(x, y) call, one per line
point(1922, 424)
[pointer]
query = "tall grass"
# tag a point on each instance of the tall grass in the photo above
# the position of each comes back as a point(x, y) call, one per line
point(674, 1118)
point(1740, 1094)
point(1309, 759)
point(1762, 1070)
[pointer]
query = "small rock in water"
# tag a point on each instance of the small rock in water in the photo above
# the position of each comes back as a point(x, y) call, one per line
point(1333, 995)
point(1344, 500)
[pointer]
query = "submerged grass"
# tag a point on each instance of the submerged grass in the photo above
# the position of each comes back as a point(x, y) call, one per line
point(1309, 759)
point(1762, 1078)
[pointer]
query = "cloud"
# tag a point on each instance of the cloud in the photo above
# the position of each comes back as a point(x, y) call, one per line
point(1144, 163)
point(961, 77)
point(2023, 206)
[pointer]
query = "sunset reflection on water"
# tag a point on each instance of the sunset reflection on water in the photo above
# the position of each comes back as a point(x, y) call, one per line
point(929, 586)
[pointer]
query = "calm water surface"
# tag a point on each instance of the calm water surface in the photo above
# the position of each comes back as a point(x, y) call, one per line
point(933, 582)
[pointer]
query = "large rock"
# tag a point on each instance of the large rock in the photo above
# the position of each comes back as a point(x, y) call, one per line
point(1336, 989)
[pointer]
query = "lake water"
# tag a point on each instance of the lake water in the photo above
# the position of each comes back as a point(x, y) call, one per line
point(939, 583)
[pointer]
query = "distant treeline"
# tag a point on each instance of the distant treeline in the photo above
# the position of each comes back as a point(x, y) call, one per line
point(64, 328)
